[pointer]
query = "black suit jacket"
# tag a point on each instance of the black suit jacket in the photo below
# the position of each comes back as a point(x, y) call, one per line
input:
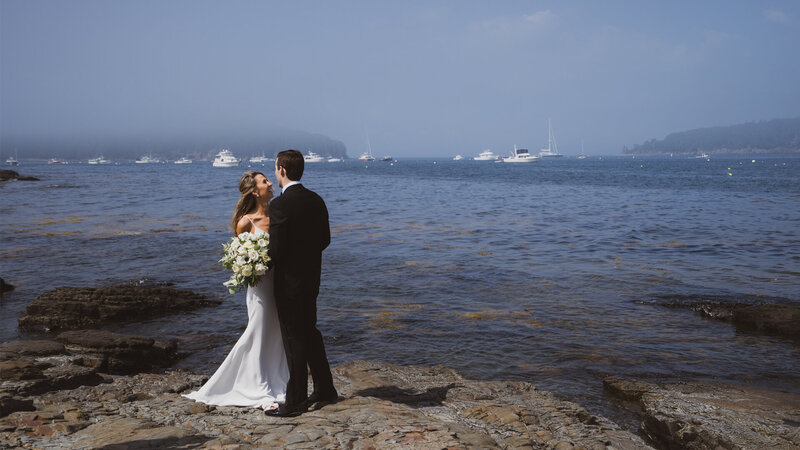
point(298, 233)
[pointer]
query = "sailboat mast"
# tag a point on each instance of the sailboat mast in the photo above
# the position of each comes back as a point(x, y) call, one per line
point(369, 147)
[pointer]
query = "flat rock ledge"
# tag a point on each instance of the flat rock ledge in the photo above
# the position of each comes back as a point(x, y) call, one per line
point(712, 415)
point(381, 406)
point(71, 308)
point(780, 319)
point(75, 358)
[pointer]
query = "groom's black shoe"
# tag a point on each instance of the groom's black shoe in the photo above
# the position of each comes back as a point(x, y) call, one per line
point(322, 400)
point(317, 397)
point(287, 411)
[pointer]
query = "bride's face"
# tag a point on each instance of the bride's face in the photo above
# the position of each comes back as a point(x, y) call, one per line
point(263, 187)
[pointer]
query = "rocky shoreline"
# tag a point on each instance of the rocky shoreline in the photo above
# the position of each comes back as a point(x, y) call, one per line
point(90, 388)
point(383, 406)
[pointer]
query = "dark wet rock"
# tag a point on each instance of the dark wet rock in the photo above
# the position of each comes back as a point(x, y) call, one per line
point(6, 175)
point(34, 367)
point(118, 353)
point(781, 319)
point(381, 406)
point(10, 404)
point(70, 376)
point(69, 308)
point(15, 349)
point(26, 378)
point(627, 389)
point(5, 287)
point(713, 415)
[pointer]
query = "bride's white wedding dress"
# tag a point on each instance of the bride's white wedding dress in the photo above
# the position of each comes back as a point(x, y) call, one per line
point(255, 372)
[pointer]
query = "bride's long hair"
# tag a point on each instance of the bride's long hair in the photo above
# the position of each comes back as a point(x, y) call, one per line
point(247, 202)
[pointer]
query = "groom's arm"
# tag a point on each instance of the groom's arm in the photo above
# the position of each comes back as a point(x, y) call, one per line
point(326, 228)
point(278, 228)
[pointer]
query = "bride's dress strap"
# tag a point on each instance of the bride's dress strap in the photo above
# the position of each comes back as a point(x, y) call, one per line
point(251, 220)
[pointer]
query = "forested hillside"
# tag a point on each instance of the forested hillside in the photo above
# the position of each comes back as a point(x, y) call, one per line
point(773, 136)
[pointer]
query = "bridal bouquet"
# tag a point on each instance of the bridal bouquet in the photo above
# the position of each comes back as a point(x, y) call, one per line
point(247, 256)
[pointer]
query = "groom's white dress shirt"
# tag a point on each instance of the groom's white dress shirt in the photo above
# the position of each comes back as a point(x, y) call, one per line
point(288, 185)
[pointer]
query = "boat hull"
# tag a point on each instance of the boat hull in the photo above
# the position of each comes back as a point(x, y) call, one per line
point(520, 160)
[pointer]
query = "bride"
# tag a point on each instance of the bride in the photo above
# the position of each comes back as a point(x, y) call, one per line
point(255, 372)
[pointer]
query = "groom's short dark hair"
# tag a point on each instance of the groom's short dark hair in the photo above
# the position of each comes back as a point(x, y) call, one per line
point(293, 162)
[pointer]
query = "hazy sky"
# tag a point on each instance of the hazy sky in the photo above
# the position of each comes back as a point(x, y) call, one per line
point(423, 78)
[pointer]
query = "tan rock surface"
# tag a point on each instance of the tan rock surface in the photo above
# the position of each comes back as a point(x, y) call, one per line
point(382, 406)
point(713, 415)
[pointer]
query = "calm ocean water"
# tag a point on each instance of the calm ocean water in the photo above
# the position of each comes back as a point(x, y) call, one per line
point(515, 272)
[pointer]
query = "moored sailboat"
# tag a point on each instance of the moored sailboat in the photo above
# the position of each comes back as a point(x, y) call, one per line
point(552, 148)
point(367, 156)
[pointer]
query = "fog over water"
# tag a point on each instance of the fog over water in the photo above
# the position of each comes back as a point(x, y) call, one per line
point(422, 78)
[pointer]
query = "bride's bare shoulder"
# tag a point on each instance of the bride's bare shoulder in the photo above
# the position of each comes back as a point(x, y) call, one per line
point(243, 225)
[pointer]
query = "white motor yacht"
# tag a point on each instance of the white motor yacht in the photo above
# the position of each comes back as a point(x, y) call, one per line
point(312, 157)
point(486, 155)
point(225, 159)
point(148, 159)
point(183, 160)
point(521, 155)
point(11, 161)
point(334, 159)
point(386, 158)
point(458, 158)
point(259, 159)
point(99, 160)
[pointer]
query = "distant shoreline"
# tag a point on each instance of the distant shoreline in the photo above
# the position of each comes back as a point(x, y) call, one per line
point(725, 152)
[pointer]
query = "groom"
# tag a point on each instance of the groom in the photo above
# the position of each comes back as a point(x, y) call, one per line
point(298, 233)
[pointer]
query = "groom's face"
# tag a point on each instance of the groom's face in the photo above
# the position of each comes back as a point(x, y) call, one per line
point(278, 176)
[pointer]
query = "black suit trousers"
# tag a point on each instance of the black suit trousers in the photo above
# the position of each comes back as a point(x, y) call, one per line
point(304, 350)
